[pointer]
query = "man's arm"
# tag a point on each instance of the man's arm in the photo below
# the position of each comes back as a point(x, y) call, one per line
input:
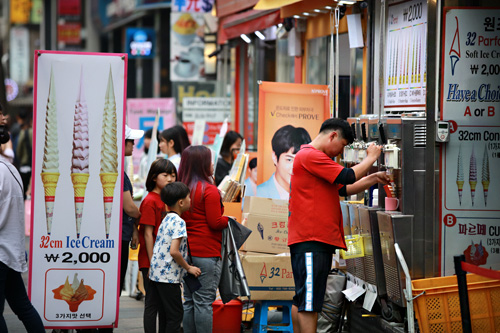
point(372, 153)
point(366, 182)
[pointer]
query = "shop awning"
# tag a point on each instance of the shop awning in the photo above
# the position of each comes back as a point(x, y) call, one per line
point(273, 4)
point(233, 26)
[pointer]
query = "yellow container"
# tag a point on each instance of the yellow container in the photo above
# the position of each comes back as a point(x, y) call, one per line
point(355, 248)
point(438, 310)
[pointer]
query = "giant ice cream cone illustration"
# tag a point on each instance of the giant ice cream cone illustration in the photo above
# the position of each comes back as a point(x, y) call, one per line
point(80, 159)
point(460, 175)
point(485, 175)
point(472, 175)
point(50, 166)
point(109, 154)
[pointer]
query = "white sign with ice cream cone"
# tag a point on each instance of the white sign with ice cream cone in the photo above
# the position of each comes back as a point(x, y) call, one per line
point(76, 188)
point(470, 161)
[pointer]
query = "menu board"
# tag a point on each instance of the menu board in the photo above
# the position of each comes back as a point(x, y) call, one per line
point(470, 162)
point(405, 57)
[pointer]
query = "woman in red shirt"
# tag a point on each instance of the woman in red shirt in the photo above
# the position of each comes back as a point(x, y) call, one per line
point(204, 222)
point(153, 210)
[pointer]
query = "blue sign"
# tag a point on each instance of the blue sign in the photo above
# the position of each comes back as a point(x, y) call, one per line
point(140, 42)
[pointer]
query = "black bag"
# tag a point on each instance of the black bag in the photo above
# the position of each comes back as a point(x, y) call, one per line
point(192, 282)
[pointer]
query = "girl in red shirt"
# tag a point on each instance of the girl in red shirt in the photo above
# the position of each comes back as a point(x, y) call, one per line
point(204, 222)
point(153, 210)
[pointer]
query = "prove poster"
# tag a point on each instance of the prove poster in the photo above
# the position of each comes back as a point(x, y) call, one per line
point(470, 162)
point(406, 49)
point(141, 114)
point(79, 107)
point(290, 115)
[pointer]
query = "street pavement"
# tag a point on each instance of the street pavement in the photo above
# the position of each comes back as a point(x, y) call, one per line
point(130, 319)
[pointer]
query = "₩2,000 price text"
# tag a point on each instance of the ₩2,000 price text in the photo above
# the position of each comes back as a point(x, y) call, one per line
point(82, 258)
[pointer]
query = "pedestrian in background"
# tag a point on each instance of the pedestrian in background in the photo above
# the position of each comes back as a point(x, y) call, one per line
point(173, 141)
point(228, 152)
point(12, 248)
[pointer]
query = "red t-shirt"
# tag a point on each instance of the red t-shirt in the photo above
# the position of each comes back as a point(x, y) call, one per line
point(314, 204)
point(153, 211)
point(204, 222)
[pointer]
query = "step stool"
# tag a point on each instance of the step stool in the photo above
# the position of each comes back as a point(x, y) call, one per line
point(260, 317)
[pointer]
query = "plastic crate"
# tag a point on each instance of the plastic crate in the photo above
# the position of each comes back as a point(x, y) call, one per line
point(438, 310)
point(355, 247)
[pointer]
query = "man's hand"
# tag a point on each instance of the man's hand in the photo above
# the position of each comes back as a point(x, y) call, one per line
point(382, 177)
point(373, 150)
point(194, 271)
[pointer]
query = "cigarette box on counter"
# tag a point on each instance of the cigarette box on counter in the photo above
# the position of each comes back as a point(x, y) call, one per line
point(268, 220)
point(269, 276)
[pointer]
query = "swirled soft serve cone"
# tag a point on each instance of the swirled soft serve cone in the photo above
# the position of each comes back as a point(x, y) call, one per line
point(108, 181)
point(79, 181)
point(49, 180)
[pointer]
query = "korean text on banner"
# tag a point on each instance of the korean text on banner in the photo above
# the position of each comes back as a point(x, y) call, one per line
point(77, 187)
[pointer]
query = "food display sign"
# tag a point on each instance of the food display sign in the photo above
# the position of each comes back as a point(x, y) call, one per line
point(470, 161)
point(79, 107)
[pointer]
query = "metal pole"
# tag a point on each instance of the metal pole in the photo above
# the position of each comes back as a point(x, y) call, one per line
point(462, 293)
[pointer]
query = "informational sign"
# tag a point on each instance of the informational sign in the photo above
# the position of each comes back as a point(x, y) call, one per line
point(192, 6)
point(19, 54)
point(187, 62)
point(406, 49)
point(290, 115)
point(141, 114)
point(211, 110)
point(140, 42)
point(470, 162)
point(78, 151)
point(191, 89)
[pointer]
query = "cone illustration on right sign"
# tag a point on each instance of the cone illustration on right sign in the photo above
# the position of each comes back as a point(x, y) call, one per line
point(109, 152)
point(80, 159)
point(460, 175)
point(472, 175)
point(485, 176)
point(50, 166)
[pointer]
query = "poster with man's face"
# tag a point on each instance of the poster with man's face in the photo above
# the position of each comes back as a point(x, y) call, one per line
point(290, 115)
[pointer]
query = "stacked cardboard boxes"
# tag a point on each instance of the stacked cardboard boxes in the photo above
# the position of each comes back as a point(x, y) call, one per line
point(269, 275)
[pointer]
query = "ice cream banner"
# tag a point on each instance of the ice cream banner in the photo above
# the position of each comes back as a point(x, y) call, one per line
point(405, 63)
point(470, 162)
point(187, 56)
point(79, 109)
point(141, 113)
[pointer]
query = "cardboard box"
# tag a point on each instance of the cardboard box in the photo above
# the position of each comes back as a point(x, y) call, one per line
point(266, 206)
point(268, 220)
point(269, 234)
point(269, 276)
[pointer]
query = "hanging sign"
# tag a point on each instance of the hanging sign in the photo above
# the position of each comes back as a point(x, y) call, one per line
point(470, 162)
point(405, 56)
point(78, 151)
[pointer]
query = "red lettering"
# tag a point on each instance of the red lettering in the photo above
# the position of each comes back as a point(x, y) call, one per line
point(491, 111)
point(467, 112)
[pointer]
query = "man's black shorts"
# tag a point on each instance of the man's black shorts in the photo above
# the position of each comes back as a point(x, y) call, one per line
point(310, 272)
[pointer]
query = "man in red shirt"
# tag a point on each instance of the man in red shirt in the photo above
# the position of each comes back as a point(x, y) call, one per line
point(315, 220)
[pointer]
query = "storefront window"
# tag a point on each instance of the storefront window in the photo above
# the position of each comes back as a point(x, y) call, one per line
point(285, 64)
point(317, 60)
